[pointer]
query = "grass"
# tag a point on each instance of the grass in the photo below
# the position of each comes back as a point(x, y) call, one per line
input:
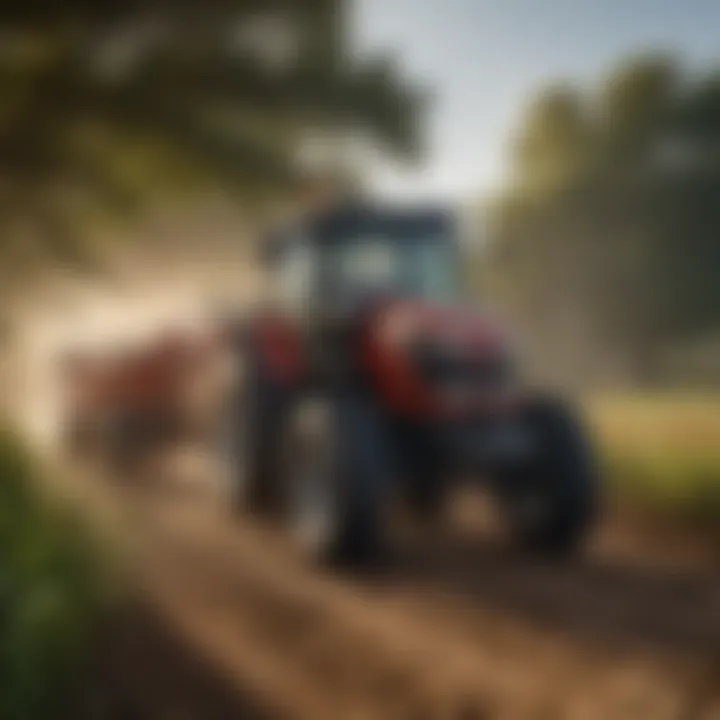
point(662, 452)
point(50, 593)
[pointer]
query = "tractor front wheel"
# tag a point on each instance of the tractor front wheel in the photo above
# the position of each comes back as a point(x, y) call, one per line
point(552, 500)
point(335, 478)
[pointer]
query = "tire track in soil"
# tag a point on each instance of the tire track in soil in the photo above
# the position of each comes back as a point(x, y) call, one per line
point(327, 649)
point(455, 631)
point(439, 637)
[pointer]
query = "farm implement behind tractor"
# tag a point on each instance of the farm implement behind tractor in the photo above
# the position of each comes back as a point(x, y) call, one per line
point(122, 406)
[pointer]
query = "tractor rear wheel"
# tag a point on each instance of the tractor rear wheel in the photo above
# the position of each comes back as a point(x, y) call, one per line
point(249, 429)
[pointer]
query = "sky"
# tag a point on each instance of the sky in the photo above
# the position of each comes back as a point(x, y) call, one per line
point(486, 58)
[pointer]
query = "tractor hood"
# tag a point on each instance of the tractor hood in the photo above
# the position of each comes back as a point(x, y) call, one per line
point(452, 329)
point(432, 360)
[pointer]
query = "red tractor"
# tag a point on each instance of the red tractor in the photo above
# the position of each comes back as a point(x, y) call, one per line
point(368, 374)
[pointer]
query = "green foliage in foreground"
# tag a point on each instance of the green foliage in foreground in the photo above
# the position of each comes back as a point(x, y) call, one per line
point(49, 593)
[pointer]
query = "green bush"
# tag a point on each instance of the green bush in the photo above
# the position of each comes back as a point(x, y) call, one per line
point(49, 593)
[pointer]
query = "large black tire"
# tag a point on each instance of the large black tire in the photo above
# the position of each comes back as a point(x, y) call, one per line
point(249, 430)
point(426, 480)
point(552, 501)
point(336, 464)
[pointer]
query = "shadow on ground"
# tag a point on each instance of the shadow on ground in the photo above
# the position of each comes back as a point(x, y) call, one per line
point(597, 598)
point(144, 671)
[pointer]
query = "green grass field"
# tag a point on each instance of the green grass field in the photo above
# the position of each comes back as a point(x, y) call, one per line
point(662, 452)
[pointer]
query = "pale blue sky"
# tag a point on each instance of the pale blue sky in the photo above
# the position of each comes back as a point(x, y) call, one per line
point(486, 56)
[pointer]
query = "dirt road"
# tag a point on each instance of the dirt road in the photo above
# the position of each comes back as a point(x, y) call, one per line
point(454, 628)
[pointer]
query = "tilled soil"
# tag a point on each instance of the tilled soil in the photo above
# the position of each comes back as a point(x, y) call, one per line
point(232, 625)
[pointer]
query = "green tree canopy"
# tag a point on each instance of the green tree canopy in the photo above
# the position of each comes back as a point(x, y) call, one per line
point(108, 104)
point(614, 211)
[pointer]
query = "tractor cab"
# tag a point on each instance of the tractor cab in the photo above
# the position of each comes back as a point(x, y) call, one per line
point(354, 254)
point(376, 296)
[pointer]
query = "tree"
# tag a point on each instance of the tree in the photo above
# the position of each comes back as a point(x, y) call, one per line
point(615, 215)
point(106, 105)
point(552, 146)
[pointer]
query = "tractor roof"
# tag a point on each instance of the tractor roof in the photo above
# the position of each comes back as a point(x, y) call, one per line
point(345, 222)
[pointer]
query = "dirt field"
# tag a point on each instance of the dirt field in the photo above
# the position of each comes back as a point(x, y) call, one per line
point(230, 624)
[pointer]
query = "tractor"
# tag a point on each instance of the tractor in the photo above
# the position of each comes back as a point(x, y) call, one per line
point(367, 374)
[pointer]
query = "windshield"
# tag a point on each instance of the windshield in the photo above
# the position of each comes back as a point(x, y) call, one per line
point(422, 267)
point(295, 275)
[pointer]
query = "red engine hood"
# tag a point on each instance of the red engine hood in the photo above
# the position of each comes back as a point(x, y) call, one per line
point(463, 329)
point(400, 325)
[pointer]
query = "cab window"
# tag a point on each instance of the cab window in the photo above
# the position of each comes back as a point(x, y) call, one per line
point(295, 275)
